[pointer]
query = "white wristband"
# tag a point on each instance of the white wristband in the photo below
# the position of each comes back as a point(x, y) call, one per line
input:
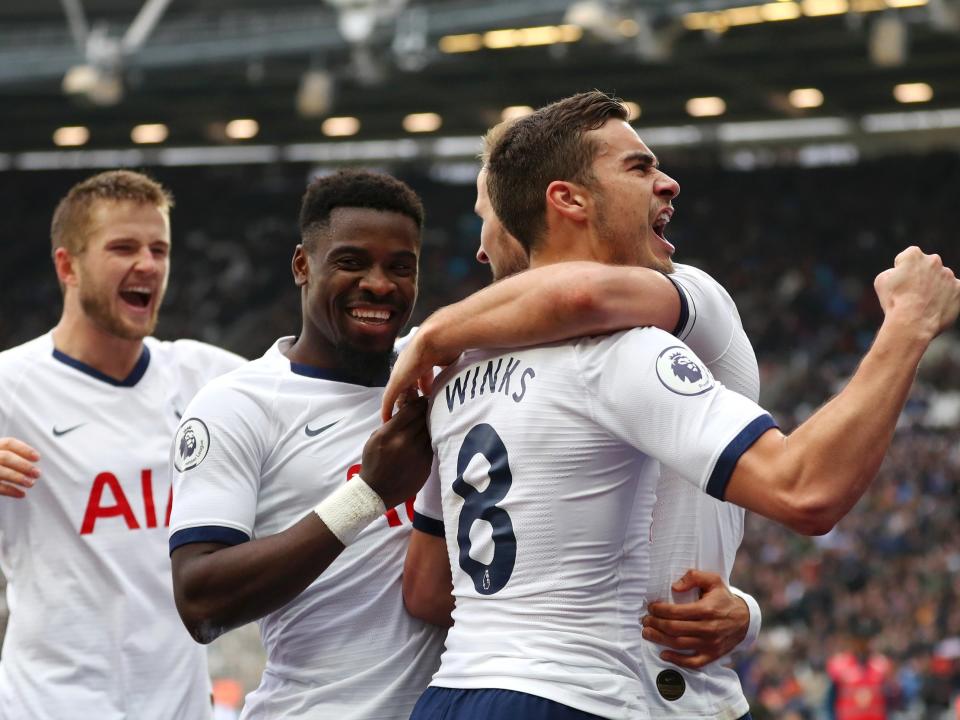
point(350, 508)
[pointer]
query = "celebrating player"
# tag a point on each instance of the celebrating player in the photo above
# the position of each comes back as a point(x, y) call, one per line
point(261, 446)
point(540, 449)
point(692, 530)
point(93, 631)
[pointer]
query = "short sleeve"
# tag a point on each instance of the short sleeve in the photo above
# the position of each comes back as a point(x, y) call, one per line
point(215, 464)
point(428, 507)
point(707, 314)
point(651, 391)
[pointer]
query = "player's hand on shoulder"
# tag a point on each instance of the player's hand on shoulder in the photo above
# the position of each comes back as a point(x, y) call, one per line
point(921, 289)
point(700, 632)
point(18, 472)
point(414, 369)
point(398, 456)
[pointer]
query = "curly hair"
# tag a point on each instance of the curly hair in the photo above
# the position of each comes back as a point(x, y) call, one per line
point(71, 219)
point(534, 151)
point(358, 189)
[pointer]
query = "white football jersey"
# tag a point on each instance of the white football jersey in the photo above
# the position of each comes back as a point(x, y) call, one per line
point(691, 529)
point(93, 630)
point(257, 450)
point(542, 455)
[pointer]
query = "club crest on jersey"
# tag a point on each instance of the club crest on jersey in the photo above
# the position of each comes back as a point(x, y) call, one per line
point(681, 374)
point(191, 445)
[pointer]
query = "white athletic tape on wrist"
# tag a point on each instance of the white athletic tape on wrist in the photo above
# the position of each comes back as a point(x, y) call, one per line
point(350, 508)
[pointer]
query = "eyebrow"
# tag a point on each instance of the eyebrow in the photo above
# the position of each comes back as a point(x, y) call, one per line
point(638, 156)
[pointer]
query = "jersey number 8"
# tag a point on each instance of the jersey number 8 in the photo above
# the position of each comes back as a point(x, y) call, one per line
point(482, 505)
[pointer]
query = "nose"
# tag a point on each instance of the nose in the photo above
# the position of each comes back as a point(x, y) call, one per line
point(482, 256)
point(376, 281)
point(146, 261)
point(666, 186)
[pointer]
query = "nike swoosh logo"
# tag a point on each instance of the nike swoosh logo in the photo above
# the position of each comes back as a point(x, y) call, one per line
point(60, 433)
point(314, 433)
point(178, 414)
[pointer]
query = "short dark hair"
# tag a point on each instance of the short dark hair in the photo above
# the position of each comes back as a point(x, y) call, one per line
point(355, 188)
point(71, 219)
point(538, 149)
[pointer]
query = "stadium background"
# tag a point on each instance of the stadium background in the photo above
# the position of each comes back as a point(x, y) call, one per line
point(812, 140)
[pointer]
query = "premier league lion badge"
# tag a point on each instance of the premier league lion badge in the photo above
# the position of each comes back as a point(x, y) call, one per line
point(682, 374)
point(191, 444)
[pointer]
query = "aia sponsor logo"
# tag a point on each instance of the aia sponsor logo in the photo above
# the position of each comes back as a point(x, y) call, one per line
point(108, 500)
point(393, 517)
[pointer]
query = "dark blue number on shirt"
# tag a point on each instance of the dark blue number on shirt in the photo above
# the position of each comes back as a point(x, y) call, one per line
point(487, 579)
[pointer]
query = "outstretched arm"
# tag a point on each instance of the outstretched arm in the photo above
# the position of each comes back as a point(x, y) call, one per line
point(556, 302)
point(811, 478)
point(427, 583)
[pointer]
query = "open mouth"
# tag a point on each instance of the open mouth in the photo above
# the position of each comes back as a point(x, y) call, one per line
point(660, 224)
point(137, 297)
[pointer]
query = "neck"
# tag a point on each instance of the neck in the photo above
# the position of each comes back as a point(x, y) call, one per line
point(564, 244)
point(77, 336)
point(363, 368)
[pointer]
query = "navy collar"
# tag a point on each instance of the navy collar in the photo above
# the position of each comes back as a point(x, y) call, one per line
point(129, 381)
point(334, 375)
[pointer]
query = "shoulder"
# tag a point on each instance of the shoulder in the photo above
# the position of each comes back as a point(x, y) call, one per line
point(25, 354)
point(194, 354)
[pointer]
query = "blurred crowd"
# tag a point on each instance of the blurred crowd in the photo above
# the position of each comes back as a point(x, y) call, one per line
point(797, 248)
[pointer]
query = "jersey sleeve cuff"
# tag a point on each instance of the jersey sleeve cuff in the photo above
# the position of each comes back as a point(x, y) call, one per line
point(207, 534)
point(428, 525)
point(684, 309)
point(753, 630)
point(720, 477)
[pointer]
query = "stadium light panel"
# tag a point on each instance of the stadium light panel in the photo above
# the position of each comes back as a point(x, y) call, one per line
point(71, 136)
point(745, 15)
point(242, 129)
point(470, 42)
point(805, 98)
point(819, 8)
point(706, 106)
point(777, 11)
point(340, 126)
point(913, 93)
point(422, 122)
point(149, 134)
point(906, 3)
point(628, 27)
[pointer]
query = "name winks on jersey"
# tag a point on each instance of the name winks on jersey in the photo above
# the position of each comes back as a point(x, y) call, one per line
point(495, 378)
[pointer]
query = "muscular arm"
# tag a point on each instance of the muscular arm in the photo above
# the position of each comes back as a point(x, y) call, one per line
point(219, 587)
point(811, 478)
point(427, 583)
point(543, 305)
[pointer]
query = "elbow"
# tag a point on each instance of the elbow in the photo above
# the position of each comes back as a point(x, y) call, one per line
point(197, 613)
point(203, 627)
point(813, 516)
point(428, 605)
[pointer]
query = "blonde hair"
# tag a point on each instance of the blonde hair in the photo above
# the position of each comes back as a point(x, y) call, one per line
point(71, 220)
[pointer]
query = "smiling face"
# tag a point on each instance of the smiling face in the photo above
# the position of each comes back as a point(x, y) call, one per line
point(359, 285)
point(632, 198)
point(497, 247)
point(120, 276)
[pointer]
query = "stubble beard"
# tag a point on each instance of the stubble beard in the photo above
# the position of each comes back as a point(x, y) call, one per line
point(96, 305)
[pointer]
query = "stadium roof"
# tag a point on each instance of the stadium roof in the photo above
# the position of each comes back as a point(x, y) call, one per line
point(194, 65)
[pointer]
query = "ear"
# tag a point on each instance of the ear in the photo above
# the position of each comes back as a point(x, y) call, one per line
point(569, 199)
point(300, 266)
point(65, 265)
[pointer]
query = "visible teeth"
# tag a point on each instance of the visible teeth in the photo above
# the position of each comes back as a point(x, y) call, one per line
point(138, 289)
point(367, 314)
